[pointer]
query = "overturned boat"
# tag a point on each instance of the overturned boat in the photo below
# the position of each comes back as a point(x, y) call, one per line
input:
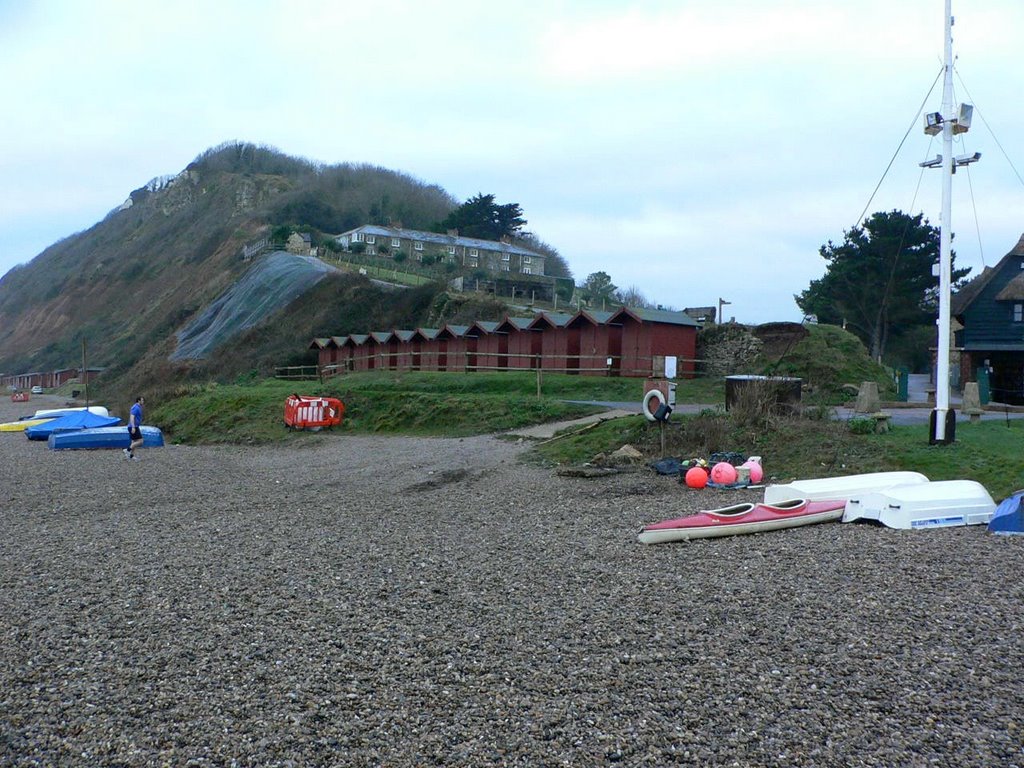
point(827, 488)
point(1008, 519)
point(104, 437)
point(924, 505)
point(52, 413)
point(22, 424)
point(69, 422)
point(743, 518)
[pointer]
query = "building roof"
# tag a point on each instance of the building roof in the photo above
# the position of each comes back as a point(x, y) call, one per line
point(441, 239)
point(519, 323)
point(966, 296)
point(554, 319)
point(486, 326)
point(592, 316)
point(655, 316)
point(455, 331)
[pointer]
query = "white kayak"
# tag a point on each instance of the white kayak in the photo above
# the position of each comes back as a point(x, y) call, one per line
point(924, 505)
point(840, 487)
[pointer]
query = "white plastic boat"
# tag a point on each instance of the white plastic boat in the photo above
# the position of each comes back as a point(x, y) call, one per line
point(52, 413)
point(827, 488)
point(924, 505)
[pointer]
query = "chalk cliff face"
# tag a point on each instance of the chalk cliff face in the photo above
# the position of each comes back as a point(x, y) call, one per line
point(154, 265)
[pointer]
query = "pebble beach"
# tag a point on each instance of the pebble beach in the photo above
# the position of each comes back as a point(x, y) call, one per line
point(372, 601)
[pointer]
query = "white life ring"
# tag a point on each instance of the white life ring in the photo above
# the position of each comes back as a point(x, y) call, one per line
point(654, 394)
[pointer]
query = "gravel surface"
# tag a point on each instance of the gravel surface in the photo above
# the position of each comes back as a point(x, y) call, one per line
point(363, 601)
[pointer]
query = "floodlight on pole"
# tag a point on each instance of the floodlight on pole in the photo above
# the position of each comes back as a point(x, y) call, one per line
point(942, 428)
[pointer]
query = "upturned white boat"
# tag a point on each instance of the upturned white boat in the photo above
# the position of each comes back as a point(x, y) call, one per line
point(51, 413)
point(924, 505)
point(827, 488)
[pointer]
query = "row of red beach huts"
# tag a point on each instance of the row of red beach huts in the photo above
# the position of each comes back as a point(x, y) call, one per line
point(46, 379)
point(626, 342)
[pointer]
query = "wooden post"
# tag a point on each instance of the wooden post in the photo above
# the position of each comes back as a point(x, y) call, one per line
point(538, 376)
point(85, 374)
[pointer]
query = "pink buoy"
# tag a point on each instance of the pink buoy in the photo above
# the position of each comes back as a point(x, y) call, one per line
point(723, 473)
point(696, 477)
point(756, 470)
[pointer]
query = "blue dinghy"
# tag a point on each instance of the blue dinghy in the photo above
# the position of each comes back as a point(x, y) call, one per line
point(104, 437)
point(70, 422)
point(1009, 516)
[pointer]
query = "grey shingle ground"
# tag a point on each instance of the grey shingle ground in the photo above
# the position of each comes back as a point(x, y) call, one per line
point(401, 602)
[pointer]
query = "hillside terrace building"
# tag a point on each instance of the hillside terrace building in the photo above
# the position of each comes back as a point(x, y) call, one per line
point(468, 252)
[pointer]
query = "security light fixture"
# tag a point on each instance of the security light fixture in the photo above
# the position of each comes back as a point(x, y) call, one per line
point(967, 159)
point(935, 163)
point(962, 123)
point(933, 123)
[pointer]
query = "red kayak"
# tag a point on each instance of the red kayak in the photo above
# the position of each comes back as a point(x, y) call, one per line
point(743, 518)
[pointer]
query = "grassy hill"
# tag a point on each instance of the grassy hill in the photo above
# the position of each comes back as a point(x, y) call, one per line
point(129, 282)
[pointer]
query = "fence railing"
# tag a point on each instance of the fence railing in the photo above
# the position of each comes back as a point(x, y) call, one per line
point(298, 372)
point(464, 361)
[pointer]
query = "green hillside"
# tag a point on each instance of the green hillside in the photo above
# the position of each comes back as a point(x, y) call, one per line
point(130, 282)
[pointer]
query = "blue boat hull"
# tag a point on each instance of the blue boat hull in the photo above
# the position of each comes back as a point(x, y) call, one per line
point(104, 437)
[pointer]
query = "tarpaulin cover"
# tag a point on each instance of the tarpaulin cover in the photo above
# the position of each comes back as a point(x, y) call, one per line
point(71, 422)
point(272, 282)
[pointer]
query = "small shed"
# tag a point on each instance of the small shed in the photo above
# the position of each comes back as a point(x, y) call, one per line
point(431, 357)
point(404, 360)
point(560, 343)
point(600, 343)
point(651, 335)
point(454, 339)
point(386, 349)
point(524, 344)
point(483, 345)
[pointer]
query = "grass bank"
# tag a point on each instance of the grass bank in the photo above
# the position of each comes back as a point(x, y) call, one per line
point(417, 403)
point(988, 452)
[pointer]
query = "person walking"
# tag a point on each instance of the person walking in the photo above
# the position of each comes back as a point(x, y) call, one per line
point(135, 429)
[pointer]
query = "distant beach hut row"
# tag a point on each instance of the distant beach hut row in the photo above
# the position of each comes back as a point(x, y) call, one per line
point(626, 342)
point(47, 379)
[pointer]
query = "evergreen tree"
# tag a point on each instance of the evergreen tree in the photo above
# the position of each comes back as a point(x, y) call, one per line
point(879, 282)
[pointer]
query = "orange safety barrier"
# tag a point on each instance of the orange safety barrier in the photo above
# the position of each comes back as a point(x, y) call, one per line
point(302, 412)
point(19, 397)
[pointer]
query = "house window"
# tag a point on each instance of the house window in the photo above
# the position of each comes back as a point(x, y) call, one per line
point(473, 261)
point(1018, 313)
point(417, 246)
point(527, 260)
point(506, 268)
point(371, 250)
point(371, 239)
point(396, 242)
point(505, 256)
point(473, 253)
point(527, 271)
point(451, 250)
point(358, 237)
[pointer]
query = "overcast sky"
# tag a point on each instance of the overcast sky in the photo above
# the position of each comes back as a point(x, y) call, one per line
point(694, 150)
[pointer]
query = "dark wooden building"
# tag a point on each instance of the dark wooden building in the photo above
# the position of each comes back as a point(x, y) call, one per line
point(991, 310)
